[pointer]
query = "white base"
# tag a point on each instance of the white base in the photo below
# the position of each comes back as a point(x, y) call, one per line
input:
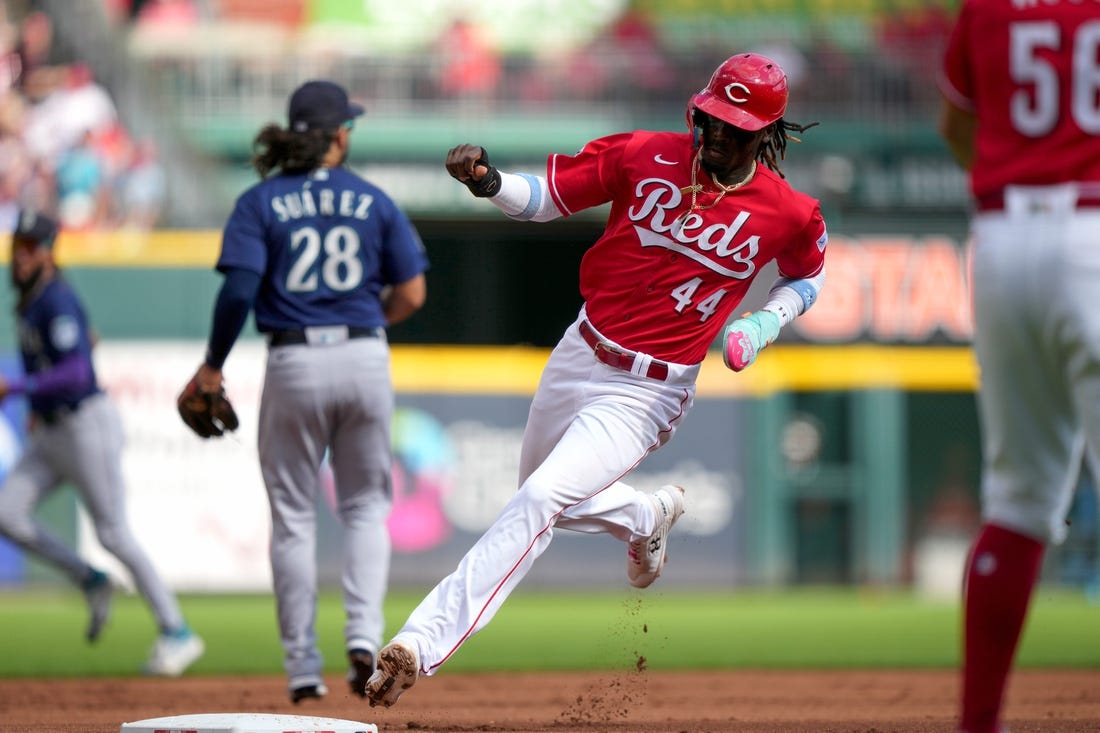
point(246, 723)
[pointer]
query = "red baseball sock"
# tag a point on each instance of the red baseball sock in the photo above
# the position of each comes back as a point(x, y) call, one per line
point(1000, 577)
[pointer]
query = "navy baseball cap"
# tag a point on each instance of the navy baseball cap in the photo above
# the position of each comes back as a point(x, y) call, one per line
point(320, 105)
point(34, 226)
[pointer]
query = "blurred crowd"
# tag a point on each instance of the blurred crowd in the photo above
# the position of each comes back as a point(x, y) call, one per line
point(645, 58)
point(63, 147)
point(637, 61)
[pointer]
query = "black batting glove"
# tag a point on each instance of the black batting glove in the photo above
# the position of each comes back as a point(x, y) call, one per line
point(489, 185)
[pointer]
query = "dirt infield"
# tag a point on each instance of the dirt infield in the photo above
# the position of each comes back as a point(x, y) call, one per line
point(635, 702)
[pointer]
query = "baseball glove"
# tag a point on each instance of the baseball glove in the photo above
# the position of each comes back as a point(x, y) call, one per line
point(208, 414)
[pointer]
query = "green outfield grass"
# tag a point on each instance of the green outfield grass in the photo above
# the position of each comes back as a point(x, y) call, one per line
point(41, 633)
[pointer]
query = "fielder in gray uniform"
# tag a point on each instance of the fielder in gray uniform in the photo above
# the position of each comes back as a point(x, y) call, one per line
point(326, 260)
point(76, 437)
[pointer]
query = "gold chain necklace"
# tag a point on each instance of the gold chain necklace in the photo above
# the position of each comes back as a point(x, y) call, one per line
point(696, 188)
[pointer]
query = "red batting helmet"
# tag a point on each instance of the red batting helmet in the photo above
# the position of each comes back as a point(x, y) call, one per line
point(747, 91)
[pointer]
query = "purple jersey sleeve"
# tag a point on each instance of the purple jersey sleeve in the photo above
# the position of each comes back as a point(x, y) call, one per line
point(71, 374)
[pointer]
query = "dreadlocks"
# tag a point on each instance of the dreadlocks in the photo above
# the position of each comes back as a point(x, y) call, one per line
point(288, 151)
point(774, 147)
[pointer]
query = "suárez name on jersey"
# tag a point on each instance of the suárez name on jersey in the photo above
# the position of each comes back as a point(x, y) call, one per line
point(687, 235)
point(325, 202)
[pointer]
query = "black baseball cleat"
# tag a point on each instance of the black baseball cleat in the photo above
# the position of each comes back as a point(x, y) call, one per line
point(308, 692)
point(97, 591)
point(360, 668)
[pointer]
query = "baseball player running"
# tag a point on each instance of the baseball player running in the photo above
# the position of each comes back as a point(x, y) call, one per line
point(694, 216)
point(75, 437)
point(327, 261)
point(1020, 114)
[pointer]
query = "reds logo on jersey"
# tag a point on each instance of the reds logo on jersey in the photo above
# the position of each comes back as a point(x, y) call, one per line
point(709, 244)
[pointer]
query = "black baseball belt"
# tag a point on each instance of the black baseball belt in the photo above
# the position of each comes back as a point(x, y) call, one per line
point(321, 335)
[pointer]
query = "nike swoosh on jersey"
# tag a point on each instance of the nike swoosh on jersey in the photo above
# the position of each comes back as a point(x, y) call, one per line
point(658, 159)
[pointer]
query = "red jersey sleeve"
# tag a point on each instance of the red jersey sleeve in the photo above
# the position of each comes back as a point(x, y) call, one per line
point(806, 255)
point(954, 78)
point(587, 179)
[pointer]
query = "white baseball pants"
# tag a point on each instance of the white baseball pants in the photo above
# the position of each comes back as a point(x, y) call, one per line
point(1036, 274)
point(589, 425)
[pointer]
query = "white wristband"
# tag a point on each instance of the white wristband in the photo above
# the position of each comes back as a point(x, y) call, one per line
point(524, 196)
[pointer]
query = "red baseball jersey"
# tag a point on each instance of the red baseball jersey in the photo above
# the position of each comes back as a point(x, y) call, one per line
point(1029, 70)
point(662, 279)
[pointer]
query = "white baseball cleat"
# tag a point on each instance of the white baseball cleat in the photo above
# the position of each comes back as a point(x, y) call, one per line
point(398, 670)
point(173, 653)
point(646, 557)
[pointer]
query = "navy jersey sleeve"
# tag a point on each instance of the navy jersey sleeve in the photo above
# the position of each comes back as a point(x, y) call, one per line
point(66, 329)
point(243, 239)
point(403, 257)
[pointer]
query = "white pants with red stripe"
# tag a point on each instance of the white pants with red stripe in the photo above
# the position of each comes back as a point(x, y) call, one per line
point(1036, 273)
point(588, 426)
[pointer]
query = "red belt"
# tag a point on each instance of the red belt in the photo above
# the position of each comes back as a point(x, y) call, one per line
point(613, 356)
point(996, 201)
